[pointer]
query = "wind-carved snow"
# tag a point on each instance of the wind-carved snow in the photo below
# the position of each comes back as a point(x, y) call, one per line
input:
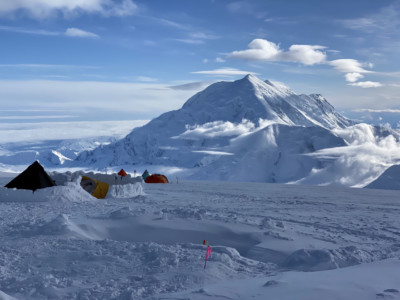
point(268, 241)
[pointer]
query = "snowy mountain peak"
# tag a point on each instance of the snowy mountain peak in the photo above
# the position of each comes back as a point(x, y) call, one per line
point(268, 87)
point(253, 99)
point(207, 124)
point(250, 78)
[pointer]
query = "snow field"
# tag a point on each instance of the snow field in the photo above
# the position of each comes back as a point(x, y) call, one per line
point(149, 246)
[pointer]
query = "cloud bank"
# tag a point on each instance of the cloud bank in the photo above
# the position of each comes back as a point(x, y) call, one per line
point(46, 131)
point(367, 155)
point(217, 129)
point(99, 98)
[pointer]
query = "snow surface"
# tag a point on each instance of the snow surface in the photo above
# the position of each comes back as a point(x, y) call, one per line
point(390, 179)
point(269, 241)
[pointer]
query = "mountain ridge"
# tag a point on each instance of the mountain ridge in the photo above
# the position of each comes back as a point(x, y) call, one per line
point(215, 130)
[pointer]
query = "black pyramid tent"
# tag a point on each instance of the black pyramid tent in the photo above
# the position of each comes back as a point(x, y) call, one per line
point(33, 178)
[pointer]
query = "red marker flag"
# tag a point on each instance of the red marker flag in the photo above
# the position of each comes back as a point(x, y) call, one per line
point(209, 251)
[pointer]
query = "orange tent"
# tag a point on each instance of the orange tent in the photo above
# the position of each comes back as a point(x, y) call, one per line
point(122, 173)
point(156, 178)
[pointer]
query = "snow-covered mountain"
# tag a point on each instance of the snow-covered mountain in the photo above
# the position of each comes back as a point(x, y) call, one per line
point(52, 153)
point(249, 129)
point(252, 99)
point(389, 180)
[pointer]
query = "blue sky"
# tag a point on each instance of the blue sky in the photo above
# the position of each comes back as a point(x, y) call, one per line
point(97, 60)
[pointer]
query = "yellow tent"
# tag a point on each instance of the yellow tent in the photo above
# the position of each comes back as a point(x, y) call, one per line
point(94, 187)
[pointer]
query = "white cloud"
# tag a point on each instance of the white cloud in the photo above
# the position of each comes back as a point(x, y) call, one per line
point(333, 51)
point(190, 41)
point(46, 131)
point(353, 77)
point(28, 31)
point(146, 79)
point(76, 32)
point(366, 84)
point(197, 38)
point(122, 9)
point(205, 60)
point(220, 60)
point(259, 50)
point(170, 23)
point(247, 8)
point(264, 50)
point(224, 72)
point(348, 66)
point(41, 9)
point(386, 21)
point(395, 111)
point(47, 66)
point(203, 36)
point(36, 117)
point(217, 129)
point(100, 98)
point(305, 54)
point(72, 32)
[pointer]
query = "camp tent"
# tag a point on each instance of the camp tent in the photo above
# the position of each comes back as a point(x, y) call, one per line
point(145, 175)
point(33, 178)
point(95, 187)
point(156, 178)
point(122, 173)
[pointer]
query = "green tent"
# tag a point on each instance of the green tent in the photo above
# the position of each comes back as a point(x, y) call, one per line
point(145, 175)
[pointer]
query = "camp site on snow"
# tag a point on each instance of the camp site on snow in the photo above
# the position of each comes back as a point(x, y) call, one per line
point(98, 185)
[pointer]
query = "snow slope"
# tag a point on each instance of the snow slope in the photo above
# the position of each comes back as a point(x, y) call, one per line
point(390, 179)
point(269, 241)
